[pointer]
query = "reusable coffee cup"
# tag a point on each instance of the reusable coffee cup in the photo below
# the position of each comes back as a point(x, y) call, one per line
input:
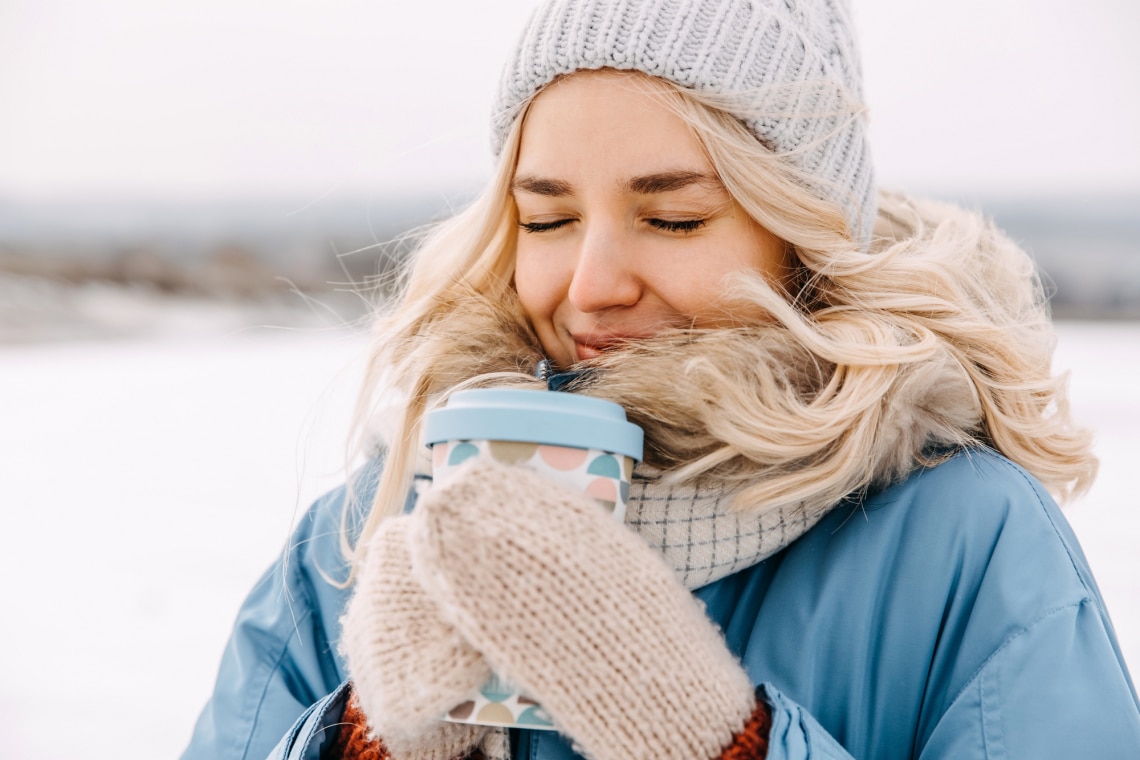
point(579, 442)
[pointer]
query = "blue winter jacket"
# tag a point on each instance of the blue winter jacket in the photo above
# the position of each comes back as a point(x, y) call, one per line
point(952, 616)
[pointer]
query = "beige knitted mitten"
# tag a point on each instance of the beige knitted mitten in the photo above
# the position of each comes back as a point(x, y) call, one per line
point(577, 611)
point(408, 666)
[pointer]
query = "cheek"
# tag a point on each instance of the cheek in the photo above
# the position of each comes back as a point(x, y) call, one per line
point(698, 286)
point(696, 294)
point(537, 288)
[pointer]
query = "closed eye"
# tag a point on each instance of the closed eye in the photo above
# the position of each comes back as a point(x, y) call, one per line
point(544, 226)
point(687, 225)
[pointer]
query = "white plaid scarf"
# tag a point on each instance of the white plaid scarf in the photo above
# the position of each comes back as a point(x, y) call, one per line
point(699, 536)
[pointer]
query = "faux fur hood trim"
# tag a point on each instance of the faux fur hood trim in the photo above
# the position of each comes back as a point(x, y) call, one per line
point(750, 407)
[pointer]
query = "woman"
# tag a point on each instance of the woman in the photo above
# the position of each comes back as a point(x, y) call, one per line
point(852, 437)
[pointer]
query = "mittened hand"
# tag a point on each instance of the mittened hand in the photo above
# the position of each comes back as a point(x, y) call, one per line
point(409, 667)
point(575, 610)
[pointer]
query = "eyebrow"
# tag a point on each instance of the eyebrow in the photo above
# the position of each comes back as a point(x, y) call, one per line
point(667, 182)
point(552, 188)
point(650, 184)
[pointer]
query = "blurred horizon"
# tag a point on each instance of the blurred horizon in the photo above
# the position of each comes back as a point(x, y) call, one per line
point(92, 268)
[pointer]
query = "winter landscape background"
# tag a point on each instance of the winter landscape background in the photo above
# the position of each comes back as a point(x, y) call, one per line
point(196, 200)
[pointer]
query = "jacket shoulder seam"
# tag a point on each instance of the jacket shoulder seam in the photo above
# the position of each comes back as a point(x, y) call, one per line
point(1089, 594)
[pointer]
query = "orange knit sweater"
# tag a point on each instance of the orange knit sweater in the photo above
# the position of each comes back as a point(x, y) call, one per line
point(352, 742)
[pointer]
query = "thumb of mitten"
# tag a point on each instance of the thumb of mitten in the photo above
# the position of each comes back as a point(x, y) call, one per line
point(409, 667)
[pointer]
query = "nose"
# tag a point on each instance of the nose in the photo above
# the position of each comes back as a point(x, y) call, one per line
point(605, 275)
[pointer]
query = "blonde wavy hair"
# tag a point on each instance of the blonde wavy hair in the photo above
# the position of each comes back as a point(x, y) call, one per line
point(943, 310)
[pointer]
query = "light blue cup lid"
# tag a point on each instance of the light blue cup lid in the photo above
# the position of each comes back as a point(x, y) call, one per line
point(547, 417)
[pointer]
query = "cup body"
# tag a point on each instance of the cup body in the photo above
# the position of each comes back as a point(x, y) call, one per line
point(580, 443)
point(603, 475)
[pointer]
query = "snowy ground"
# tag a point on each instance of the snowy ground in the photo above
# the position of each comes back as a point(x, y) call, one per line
point(148, 482)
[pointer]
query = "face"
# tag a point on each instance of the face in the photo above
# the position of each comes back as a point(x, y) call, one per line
point(625, 229)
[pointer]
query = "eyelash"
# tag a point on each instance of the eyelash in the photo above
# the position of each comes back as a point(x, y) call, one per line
point(543, 226)
point(685, 226)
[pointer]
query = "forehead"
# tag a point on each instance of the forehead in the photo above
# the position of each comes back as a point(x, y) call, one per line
point(605, 123)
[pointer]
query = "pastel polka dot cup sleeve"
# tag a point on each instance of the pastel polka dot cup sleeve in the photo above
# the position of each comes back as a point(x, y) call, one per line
point(578, 442)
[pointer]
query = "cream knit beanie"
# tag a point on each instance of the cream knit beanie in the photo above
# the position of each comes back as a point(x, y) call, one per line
point(790, 69)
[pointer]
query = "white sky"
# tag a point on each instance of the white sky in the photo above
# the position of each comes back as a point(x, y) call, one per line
point(219, 98)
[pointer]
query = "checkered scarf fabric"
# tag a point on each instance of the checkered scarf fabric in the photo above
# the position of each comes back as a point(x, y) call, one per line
point(698, 535)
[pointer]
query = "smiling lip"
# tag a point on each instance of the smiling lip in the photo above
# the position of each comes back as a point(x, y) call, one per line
point(595, 345)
